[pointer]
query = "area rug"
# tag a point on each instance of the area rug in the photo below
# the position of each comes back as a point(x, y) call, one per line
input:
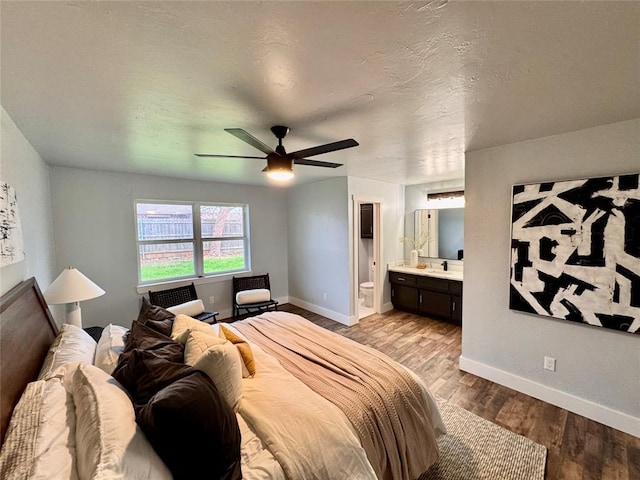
point(476, 449)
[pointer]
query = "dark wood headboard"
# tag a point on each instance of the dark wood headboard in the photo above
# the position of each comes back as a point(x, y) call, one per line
point(27, 330)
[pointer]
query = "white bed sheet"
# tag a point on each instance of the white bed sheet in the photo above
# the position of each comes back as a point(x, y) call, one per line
point(257, 462)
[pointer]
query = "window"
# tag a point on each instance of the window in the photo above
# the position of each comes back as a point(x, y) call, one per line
point(184, 240)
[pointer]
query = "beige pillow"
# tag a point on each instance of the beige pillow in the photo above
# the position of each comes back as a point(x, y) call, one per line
point(248, 362)
point(40, 442)
point(198, 343)
point(109, 443)
point(72, 344)
point(183, 324)
point(110, 346)
point(255, 295)
point(223, 365)
point(191, 308)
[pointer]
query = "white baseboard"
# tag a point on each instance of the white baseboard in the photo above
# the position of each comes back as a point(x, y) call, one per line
point(283, 300)
point(612, 418)
point(325, 312)
point(226, 314)
point(386, 307)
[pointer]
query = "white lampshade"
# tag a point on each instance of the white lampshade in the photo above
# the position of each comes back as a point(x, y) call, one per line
point(71, 286)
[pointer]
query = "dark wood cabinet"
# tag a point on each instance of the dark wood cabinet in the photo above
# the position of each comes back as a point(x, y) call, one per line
point(403, 291)
point(405, 296)
point(456, 309)
point(430, 296)
point(433, 303)
point(366, 220)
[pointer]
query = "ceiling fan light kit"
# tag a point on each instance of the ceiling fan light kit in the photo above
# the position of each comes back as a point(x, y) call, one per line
point(280, 175)
point(279, 162)
point(279, 168)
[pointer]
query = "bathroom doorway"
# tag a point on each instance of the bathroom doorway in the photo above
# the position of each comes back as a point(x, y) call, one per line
point(367, 286)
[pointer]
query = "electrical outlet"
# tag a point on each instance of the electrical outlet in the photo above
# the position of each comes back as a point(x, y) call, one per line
point(324, 295)
point(212, 299)
point(550, 363)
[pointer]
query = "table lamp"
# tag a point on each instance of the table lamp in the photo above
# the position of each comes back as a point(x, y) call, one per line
point(70, 288)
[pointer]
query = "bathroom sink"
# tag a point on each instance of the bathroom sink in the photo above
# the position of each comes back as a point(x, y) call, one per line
point(439, 272)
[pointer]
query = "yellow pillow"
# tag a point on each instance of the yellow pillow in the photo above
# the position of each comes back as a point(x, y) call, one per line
point(183, 324)
point(198, 343)
point(249, 364)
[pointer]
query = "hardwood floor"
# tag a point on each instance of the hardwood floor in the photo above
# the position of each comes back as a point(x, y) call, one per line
point(578, 448)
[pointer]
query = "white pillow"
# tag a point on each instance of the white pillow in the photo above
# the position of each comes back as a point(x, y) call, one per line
point(197, 343)
point(253, 296)
point(40, 441)
point(184, 324)
point(73, 344)
point(192, 308)
point(223, 365)
point(109, 348)
point(110, 445)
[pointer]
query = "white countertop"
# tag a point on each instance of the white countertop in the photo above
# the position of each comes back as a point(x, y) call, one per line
point(429, 272)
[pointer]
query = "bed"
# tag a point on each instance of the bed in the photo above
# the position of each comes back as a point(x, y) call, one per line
point(307, 403)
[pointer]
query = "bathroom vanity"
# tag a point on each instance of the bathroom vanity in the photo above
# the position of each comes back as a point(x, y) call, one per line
point(430, 292)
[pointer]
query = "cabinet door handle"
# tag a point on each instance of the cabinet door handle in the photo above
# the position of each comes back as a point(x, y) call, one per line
point(420, 298)
point(454, 306)
point(401, 279)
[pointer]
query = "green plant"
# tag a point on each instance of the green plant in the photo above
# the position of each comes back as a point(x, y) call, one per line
point(416, 244)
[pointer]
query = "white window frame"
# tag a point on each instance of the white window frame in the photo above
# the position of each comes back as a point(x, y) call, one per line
point(198, 243)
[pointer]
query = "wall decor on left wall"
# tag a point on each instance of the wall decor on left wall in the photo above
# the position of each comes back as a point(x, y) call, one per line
point(575, 251)
point(11, 244)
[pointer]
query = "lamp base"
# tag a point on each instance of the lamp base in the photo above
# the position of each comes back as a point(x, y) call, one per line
point(73, 314)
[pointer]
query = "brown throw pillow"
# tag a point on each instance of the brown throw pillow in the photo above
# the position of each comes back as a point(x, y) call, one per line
point(156, 317)
point(193, 429)
point(145, 372)
point(130, 368)
point(144, 337)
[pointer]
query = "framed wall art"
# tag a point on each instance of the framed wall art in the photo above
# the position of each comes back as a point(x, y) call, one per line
point(11, 246)
point(575, 251)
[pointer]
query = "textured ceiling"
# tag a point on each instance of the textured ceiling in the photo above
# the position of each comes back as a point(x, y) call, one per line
point(141, 87)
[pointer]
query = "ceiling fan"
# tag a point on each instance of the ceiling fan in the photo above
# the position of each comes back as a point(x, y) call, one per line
point(279, 162)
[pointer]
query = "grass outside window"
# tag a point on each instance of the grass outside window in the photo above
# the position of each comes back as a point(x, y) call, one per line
point(185, 267)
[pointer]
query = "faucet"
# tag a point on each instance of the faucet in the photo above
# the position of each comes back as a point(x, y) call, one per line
point(445, 265)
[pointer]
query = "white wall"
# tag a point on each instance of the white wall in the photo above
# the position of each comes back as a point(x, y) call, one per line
point(321, 242)
point(392, 197)
point(23, 169)
point(598, 370)
point(94, 229)
point(319, 248)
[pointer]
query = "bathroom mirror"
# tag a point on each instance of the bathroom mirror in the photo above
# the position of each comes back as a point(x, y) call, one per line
point(439, 233)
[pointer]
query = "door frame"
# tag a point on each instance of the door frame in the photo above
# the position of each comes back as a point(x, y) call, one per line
point(377, 253)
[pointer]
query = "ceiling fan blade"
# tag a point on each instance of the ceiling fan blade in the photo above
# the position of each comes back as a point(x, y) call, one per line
point(250, 139)
point(209, 155)
point(315, 163)
point(329, 147)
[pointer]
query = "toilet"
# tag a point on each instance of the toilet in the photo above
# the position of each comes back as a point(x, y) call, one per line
point(366, 289)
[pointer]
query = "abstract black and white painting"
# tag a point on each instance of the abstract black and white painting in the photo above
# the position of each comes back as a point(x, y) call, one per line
point(11, 248)
point(575, 251)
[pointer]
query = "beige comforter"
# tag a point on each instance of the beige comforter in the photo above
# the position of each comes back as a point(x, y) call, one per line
point(309, 436)
point(387, 408)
